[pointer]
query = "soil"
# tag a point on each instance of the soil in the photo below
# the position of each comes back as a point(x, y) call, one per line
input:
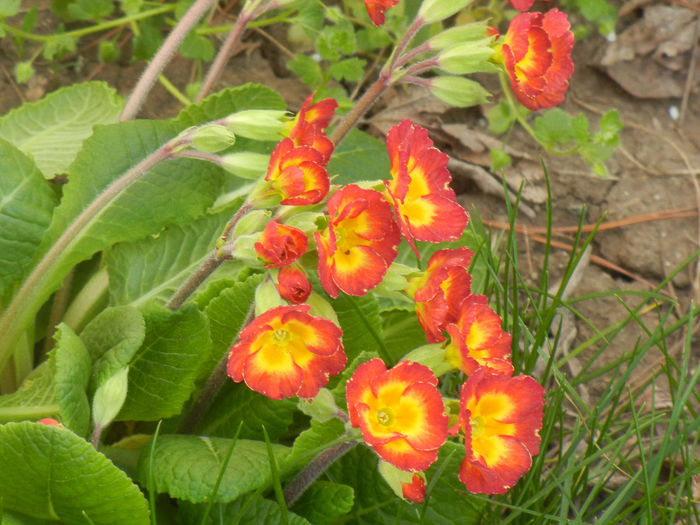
point(648, 205)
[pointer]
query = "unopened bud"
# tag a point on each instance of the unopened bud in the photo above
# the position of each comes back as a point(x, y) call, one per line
point(458, 91)
point(109, 398)
point(245, 164)
point(433, 356)
point(468, 57)
point(459, 35)
point(212, 138)
point(267, 297)
point(436, 10)
point(257, 124)
point(322, 407)
point(252, 222)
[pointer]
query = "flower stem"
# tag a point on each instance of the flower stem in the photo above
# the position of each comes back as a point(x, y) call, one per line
point(162, 57)
point(366, 101)
point(314, 469)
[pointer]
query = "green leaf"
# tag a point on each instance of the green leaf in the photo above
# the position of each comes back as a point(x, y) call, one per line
point(306, 68)
point(52, 130)
point(610, 127)
point(361, 324)
point(350, 69)
point(34, 399)
point(501, 117)
point(72, 364)
point(250, 509)
point(148, 41)
point(324, 501)
point(163, 371)
point(197, 47)
point(50, 473)
point(153, 268)
point(24, 71)
point(58, 46)
point(186, 467)
point(112, 339)
point(359, 157)
point(314, 440)
point(108, 51)
point(236, 404)
point(335, 41)
point(499, 159)
point(9, 7)
point(402, 332)
point(26, 204)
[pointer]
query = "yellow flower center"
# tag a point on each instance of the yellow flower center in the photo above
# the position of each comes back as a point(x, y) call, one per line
point(280, 336)
point(385, 417)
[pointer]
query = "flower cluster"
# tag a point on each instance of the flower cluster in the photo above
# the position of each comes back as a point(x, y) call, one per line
point(295, 345)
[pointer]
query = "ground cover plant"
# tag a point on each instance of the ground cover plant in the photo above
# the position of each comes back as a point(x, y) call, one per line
point(242, 314)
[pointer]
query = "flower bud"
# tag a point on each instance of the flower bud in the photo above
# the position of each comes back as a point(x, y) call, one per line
point(436, 10)
point(306, 221)
point(109, 398)
point(458, 91)
point(257, 124)
point(407, 485)
point(432, 356)
point(245, 164)
point(267, 298)
point(252, 222)
point(322, 407)
point(467, 57)
point(212, 138)
point(459, 34)
point(321, 308)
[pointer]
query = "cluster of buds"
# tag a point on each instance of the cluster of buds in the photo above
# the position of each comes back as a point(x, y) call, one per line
point(294, 344)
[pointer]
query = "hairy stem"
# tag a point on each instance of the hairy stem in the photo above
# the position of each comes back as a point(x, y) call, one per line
point(314, 469)
point(162, 57)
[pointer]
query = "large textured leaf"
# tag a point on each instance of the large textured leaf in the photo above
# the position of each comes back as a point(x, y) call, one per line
point(236, 404)
point(34, 399)
point(362, 326)
point(52, 130)
point(163, 371)
point(402, 332)
point(50, 473)
point(26, 204)
point(72, 365)
point(449, 503)
point(186, 467)
point(176, 191)
point(112, 339)
point(325, 501)
point(153, 268)
point(252, 509)
point(314, 440)
point(359, 157)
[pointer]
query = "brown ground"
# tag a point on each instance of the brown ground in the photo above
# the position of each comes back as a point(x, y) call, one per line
point(644, 74)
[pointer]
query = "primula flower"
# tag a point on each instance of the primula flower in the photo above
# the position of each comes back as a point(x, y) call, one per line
point(287, 352)
point(359, 244)
point(399, 411)
point(307, 127)
point(537, 56)
point(501, 418)
point(377, 8)
point(523, 5)
point(293, 285)
point(477, 339)
point(297, 174)
point(415, 490)
point(280, 244)
point(49, 422)
point(426, 206)
point(438, 293)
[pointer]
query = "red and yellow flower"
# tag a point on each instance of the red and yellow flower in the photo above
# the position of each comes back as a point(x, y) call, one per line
point(439, 292)
point(293, 285)
point(399, 411)
point(537, 56)
point(477, 339)
point(426, 206)
point(523, 5)
point(377, 8)
point(307, 128)
point(297, 174)
point(287, 352)
point(501, 418)
point(359, 244)
point(280, 244)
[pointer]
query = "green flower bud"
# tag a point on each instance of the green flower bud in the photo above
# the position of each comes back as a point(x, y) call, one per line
point(321, 308)
point(458, 35)
point(257, 124)
point(267, 297)
point(252, 222)
point(436, 10)
point(109, 398)
point(305, 221)
point(458, 91)
point(245, 164)
point(243, 250)
point(322, 407)
point(395, 281)
point(212, 138)
point(432, 356)
point(468, 57)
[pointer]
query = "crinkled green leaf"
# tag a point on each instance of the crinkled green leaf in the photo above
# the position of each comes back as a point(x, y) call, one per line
point(325, 501)
point(186, 467)
point(154, 267)
point(253, 509)
point(350, 69)
point(197, 47)
point(402, 332)
point(50, 473)
point(163, 371)
point(72, 365)
point(314, 440)
point(26, 204)
point(34, 399)
point(52, 130)
point(359, 157)
point(236, 404)
point(306, 68)
point(361, 324)
point(112, 339)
